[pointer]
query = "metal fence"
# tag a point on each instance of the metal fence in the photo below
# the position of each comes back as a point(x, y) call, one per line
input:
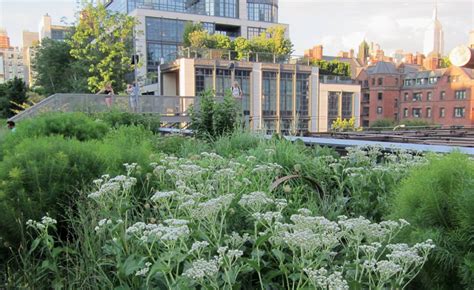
point(169, 108)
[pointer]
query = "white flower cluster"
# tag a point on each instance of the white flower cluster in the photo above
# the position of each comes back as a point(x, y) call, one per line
point(210, 209)
point(149, 233)
point(198, 246)
point(144, 271)
point(161, 196)
point(255, 201)
point(202, 269)
point(228, 256)
point(236, 241)
point(320, 279)
point(269, 168)
point(45, 222)
point(113, 186)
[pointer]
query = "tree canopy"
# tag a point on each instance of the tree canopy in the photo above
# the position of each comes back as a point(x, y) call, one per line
point(11, 93)
point(103, 42)
point(57, 71)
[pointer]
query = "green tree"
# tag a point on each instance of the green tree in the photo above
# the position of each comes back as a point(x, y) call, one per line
point(103, 40)
point(57, 71)
point(200, 39)
point(444, 62)
point(189, 28)
point(333, 67)
point(11, 93)
point(242, 47)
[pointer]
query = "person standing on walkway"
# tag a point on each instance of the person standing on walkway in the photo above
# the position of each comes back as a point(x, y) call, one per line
point(133, 93)
point(237, 94)
point(109, 91)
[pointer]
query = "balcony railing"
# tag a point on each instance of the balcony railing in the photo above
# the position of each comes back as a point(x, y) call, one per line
point(231, 55)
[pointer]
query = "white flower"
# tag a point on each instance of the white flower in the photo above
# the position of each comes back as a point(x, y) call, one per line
point(197, 246)
point(202, 269)
point(144, 271)
point(162, 195)
point(255, 200)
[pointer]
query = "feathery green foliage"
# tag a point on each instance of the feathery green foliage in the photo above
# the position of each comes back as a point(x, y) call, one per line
point(438, 200)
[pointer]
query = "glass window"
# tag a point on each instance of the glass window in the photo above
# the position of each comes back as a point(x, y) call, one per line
point(242, 77)
point(405, 112)
point(222, 8)
point(417, 97)
point(460, 95)
point(222, 81)
point(346, 105)
point(416, 112)
point(379, 96)
point(380, 81)
point(164, 5)
point(254, 32)
point(262, 12)
point(442, 112)
point(379, 110)
point(428, 112)
point(405, 97)
point(286, 94)
point(429, 96)
point(459, 112)
point(333, 107)
point(166, 30)
point(442, 95)
point(302, 94)
point(269, 93)
point(204, 80)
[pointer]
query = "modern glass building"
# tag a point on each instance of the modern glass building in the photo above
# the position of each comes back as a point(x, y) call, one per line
point(162, 22)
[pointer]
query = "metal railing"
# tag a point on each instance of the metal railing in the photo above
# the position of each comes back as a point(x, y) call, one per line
point(225, 54)
point(170, 108)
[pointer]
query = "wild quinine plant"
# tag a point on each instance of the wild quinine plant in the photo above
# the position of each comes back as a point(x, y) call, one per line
point(212, 223)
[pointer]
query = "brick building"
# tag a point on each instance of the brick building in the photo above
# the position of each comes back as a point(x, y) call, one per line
point(441, 96)
point(404, 92)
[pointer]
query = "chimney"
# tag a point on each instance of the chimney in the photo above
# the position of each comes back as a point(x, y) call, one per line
point(318, 52)
point(351, 53)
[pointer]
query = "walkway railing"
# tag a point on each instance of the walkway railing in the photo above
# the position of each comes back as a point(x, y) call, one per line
point(170, 108)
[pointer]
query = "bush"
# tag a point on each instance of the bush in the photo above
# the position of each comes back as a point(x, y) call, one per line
point(213, 119)
point(116, 118)
point(438, 200)
point(38, 177)
point(236, 143)
point(384, 123)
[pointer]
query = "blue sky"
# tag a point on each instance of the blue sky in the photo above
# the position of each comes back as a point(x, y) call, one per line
point(337, 24)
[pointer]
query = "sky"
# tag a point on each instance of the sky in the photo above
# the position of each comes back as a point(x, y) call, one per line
point(337, 24)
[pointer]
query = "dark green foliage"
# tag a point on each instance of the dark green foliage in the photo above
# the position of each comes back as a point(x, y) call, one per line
point(38, 177)
point(11, 93)
point(236, 143)
point(383, 123)
point(416, 123)
point(213, 118)
point(333, 67)
point(438, 200)
point(189, 28)
point(57, 71)
point(116, 118)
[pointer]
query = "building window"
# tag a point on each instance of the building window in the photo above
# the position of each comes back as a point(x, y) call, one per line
point(242, 77)
point(405, 113)
point(302, 94)
point(346, 105)
point(429, 96)
point(442, 95)
point(428, 112)
point(254, 32)
point(269, 93)
point(379, 96)
point(459, 112)
point(209, 27)
point(204, 80)
point(222, 81)
point(286, 94)
point(333, 107)
point(460, 95)
point(405, 97)
point(416, 112)
point(417, 97)
point(262, 12)
point(418, 81)
point(406, 83)
point(379, 110)
point(373, 81)
point(433, 80)
point(366, 83)
point(380, 81)
point(442, 112)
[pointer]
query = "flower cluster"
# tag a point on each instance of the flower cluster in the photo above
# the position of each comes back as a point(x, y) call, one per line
point(45, 222)
point(150, 233)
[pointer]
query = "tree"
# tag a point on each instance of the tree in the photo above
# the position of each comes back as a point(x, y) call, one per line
point(444, 62)
point(333, 67)
point(189, 28)
point(11, 93)
point(103, 41)
point(57, 71)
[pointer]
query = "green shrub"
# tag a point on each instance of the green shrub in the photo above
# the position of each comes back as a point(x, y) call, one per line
point(116, 118)
point(171, 144)
point(212, 118)
point(236, 143)
point(39, 175)
point(383, 123)
point(438, 200)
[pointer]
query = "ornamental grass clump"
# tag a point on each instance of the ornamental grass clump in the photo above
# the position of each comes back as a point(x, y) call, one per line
point(212, 223)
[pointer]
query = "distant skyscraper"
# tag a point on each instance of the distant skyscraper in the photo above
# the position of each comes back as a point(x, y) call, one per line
point(363, 52)
point(434, 36)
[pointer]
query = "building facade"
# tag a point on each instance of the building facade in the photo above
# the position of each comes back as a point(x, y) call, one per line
point(442, 96)
point(163, 22)
point(12, 64)
point(276, 97)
